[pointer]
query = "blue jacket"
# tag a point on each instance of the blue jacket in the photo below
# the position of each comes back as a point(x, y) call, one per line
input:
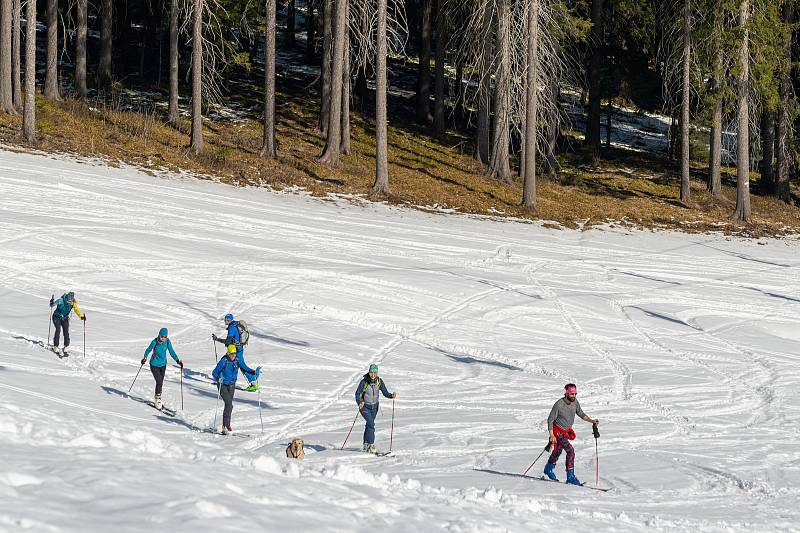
point(233, 337)
point(63, 308)
point(367, 390)
point(159, 351)
point(228, 369)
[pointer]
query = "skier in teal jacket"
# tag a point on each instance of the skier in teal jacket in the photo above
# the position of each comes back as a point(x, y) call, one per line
point(158, 362)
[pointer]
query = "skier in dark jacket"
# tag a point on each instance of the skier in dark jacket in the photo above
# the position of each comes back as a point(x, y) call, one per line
point(158, 362)
point(225, 374)
point(559, 423)
point(63, 307)
point(368, 401)
point(232, 337)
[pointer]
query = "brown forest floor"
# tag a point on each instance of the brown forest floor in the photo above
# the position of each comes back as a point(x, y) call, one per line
point(626, 188)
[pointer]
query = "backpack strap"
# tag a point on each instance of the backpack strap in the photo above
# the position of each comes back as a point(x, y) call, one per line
point(155, 343)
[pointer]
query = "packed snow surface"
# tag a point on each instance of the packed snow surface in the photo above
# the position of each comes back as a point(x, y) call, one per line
point(684, 346)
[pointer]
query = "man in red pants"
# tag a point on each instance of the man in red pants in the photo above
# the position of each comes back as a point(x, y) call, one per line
point(559, 423)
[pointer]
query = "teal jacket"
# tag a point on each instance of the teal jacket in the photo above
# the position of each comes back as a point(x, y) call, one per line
point(159, 351)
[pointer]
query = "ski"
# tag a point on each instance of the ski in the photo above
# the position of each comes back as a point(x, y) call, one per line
point(584, 485)
point(164, 409)
point(221, 434)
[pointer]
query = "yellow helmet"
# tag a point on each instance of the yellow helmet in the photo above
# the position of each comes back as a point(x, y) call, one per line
point(231, 348)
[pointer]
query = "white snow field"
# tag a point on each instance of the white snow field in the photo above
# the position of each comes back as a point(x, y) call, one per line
point(684, 346)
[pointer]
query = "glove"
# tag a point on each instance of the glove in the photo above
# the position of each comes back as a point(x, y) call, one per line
point(180, 363)
point(144, 360)
point(394, 395)
point(214, 336)
point(51, 300)
point(84, 317)
point(361, 406)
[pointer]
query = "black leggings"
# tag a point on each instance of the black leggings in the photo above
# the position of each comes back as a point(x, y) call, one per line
point(158, 373)
point(227, 392)
point(61, 322)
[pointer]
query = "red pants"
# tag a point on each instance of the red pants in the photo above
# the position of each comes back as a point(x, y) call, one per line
point(562, 443)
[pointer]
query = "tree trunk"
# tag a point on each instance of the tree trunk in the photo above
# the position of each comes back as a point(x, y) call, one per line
point(104, 75)
point(531, 107)
point(197, 79)
point(499, 168)
point(80, 48)
point(269, 144)
point(592, 141)
point(6, 87)
point(51, 71)
point(766, 182)
point(326, 67)
point(173, 114)
point(438, 108)
point(345, 118)
point(29, 109)
point(782, 126)
point(310, 30)
point(333, 143)
point(743, 138)
point(485, 90)
point(381, 184)
point(290, 22)
point(424, 70)
point(16, 86)
point(686, 191)
point(714, 184)
point(551, 163)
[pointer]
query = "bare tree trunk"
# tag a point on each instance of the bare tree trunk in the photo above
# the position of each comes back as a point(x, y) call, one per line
point(29, 109)
point(6, 87)
point(51, 72)
point(310, 30)
point(714, 185)
point(441, 27)
point(172, 114)
point(345, 147)
point(743, 138)
point(381, 184)
point(424, 70)
point(16, 86)
point(551, 163)
point(782, 125)
point(268, 147)
point(80, 48)
point(592, 141)
point(766, 182)
point(326, 67)
point(333, 143)
point(104, 76)
point(499, 168)
point(686, 191)
point(485, 91)
point(197, 79)
point(290, 22)
point(531, 107)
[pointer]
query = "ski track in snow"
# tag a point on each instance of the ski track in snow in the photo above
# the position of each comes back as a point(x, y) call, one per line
point(684, 346)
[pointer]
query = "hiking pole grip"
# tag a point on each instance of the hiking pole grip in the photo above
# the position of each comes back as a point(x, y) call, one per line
point(351, 429)
point(595, 431)
point(134, 379)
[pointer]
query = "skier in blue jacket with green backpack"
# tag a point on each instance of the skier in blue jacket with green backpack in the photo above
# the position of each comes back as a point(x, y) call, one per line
point(238, 336)
point(159, 347)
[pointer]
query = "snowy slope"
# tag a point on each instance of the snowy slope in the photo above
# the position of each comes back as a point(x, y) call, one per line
point(685, 346)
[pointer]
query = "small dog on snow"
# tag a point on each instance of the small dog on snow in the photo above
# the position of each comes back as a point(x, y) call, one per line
point(295, 449)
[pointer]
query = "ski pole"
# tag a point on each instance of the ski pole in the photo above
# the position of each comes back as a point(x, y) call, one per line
point(546, 449)
point(596, 455)
point(259, 407)
point(216, 357)
point(50, 320)
point(351, 429)
point(391, 432)
point(84, 338)
point(181, 388)
point(216, 404)
point(134, 379)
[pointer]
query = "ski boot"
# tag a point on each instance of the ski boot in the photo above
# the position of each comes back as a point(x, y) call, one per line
point(548, 471)
point(158, 403)
point(230, 430)
point(65, 351)
point(365, 447)
point(372, 449)
point(57, 350)
point(253, 387)
point(571, 479)
point(224, 430)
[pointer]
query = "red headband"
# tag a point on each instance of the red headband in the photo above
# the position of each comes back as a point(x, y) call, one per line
point(571, 389)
